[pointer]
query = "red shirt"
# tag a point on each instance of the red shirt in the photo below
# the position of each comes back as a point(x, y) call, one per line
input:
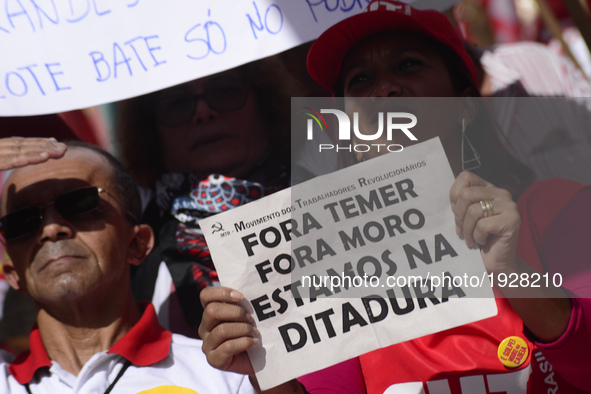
point(464, 359)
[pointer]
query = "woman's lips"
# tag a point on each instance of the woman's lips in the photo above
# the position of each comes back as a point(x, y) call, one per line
point(208, 139)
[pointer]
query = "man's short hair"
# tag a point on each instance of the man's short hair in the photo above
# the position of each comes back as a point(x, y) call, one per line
point(123, 182)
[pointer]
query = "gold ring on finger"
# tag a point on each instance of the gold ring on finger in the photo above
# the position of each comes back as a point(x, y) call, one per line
point(487, 208)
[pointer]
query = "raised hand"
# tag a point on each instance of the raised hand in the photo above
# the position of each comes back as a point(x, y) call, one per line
point(18, 152)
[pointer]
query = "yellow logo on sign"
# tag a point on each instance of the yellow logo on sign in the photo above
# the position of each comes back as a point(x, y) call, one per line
point(169, 390)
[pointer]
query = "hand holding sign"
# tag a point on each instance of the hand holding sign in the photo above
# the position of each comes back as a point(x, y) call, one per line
point(227, 330)
point(545, 310)
point(227, 333)
point(487, 216)
point(357, 260)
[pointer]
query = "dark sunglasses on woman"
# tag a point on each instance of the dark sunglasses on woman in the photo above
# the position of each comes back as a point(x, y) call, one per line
point(224, 95)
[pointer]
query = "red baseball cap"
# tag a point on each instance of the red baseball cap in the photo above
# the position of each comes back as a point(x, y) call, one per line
point(328, 52)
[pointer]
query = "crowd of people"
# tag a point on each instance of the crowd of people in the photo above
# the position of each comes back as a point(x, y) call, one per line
point(127, 297)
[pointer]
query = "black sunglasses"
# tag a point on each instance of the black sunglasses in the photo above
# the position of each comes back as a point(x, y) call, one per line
point(226, 95)
point(70, 204)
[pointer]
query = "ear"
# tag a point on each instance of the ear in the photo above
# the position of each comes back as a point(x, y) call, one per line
point(141, 245)
point(13, 277)
point(469, 108)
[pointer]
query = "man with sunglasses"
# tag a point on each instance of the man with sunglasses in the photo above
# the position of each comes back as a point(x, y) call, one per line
point(69, 226)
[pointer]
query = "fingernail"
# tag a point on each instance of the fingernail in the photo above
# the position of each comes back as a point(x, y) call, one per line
point(44, 155)
point(236, 295)
point(52, 139)
point(256, 341)
point(249, 318)
point(256, 332)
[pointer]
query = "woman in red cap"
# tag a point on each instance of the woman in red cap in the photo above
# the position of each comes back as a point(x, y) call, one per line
point(393, 50)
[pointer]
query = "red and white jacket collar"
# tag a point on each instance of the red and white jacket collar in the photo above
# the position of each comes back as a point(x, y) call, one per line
point(145, 344)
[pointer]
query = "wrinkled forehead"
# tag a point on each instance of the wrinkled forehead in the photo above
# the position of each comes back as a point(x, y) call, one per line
point(40, 183)
point(392, 43)
point(387, 47)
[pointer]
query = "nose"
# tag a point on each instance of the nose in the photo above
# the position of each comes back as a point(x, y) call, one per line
point(387, 87)
point(54, 227)
point(204, 113)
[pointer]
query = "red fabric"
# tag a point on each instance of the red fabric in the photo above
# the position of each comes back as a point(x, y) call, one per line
point(442, 362)
point(73, 125)
point(503, 19)
point(559, 9)
point(538, 205)
point(145, 344)
point(25, 365)
point(471, 350)
point(463, 351)
point(82, 126)
point(565, 245)
point(44, 126)
point(345, 377)
point(565, 251)
point(467, 351)
point(569, 355)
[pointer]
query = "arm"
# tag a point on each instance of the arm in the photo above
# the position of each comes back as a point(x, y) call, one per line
point(565, 251)
point(545, 311)
point(227, 333)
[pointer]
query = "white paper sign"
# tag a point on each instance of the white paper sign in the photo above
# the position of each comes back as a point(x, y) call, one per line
point(381, 235)
point(60, 55)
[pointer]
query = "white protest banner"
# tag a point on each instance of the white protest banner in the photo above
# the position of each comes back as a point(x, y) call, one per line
point(350, 262)
point(60, 55)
